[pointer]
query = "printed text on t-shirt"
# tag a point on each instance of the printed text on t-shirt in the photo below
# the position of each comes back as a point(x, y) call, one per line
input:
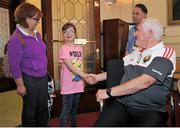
point(75, 53)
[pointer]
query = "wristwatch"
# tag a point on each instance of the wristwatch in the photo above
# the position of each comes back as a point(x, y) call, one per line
point(108, 92)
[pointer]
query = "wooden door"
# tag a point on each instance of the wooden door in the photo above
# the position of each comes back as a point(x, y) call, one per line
point(56, 13)
point(51, 34)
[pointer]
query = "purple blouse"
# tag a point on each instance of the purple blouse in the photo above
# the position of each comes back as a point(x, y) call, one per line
point(30, 59)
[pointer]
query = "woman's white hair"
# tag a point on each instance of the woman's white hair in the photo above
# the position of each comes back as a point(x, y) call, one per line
point(155, 26)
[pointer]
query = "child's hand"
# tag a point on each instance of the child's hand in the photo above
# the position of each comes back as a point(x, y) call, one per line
point(91, 79)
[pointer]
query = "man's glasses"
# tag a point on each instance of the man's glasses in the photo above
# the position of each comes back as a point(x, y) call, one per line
point(36, 19)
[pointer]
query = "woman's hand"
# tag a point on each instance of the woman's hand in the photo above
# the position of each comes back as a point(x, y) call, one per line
point(21, 90)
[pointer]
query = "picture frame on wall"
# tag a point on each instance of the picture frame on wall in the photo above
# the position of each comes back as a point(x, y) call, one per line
point(173, 12)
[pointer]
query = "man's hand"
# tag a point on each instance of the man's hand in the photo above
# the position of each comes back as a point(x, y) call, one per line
point(101, 95)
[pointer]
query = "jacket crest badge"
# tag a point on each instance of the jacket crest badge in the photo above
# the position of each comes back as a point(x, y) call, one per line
point(146, 58)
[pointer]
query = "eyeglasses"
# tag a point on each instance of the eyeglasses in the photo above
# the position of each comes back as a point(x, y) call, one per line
point(36, 19)
point(69, 32)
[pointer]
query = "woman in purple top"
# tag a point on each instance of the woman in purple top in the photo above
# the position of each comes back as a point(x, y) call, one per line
point(28, 64)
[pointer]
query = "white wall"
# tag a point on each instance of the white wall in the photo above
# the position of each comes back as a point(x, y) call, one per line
point(156, 8)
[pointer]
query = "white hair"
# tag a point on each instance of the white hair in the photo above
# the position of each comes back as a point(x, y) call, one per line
point(153, 25)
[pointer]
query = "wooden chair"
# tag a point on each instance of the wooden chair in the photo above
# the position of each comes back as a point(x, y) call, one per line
point(176, 77)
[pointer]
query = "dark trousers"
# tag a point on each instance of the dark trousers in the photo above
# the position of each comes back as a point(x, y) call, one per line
point(35, 109)
point(116, 114)
point(70, 108)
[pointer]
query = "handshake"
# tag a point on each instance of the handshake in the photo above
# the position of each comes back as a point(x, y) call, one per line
point(90, 78)
point(94, 78)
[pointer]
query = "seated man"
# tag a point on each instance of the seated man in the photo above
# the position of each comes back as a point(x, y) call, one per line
point(142, 94)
